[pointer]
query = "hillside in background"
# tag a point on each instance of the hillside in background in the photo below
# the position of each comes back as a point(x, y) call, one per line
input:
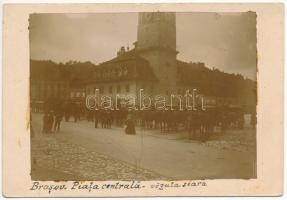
point(74, 72)
point(213, 82)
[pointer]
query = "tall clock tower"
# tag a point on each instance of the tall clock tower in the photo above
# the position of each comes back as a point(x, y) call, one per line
point(156, 42)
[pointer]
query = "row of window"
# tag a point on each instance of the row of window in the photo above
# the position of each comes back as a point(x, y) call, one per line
point(48, 87)
point(109, 89)
point(126, 88)
point(42, 94)
point(77, 94)
point(111, 73)
point(49, 84)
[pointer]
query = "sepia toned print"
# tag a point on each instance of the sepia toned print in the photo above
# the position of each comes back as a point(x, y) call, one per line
point(143, 96)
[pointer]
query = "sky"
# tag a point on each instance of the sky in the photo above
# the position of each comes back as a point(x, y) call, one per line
point(226, 41)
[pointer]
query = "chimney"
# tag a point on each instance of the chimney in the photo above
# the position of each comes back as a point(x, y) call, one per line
point(121, 51)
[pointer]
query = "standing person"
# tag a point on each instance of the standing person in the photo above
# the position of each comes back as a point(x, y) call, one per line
point(90, 115)
point(96, 118)
point(66, 111)
point(50, 121)
point(164, 121)
point(45, 123)
point(58, 119)
point(109, 119)
point(204, 125)
point(190, 125)
point(76, 112)
point(130, 128)
point(103, 119)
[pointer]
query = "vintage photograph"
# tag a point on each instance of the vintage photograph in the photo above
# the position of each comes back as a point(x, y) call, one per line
point(143, 96)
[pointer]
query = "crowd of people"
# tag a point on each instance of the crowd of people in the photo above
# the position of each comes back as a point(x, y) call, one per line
point(198, 123)
point(51, 122)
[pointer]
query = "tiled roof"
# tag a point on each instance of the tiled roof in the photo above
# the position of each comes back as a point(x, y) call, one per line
point(137, 68)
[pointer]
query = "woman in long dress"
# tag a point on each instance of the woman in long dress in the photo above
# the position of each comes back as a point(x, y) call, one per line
point(130, 126)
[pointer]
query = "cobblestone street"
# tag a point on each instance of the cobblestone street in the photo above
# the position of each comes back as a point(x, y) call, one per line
point(81, 152)
point(68, 161)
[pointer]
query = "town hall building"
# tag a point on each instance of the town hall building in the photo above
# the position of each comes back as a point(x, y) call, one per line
point(150, 65)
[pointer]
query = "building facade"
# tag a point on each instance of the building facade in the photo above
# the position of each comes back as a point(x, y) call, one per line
point(44, 89)
point(47, 80)
point(150, 66)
